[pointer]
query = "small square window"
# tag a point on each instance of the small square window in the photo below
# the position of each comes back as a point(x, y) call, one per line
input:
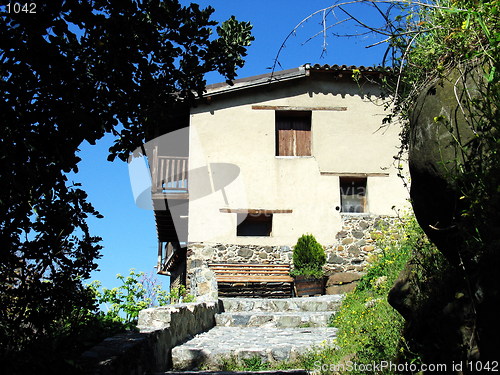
point(255, 225)
point(353, 194)
point(293, 133)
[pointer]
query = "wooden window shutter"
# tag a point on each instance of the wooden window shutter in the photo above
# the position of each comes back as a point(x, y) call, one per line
point(284, 134)
point(293, 133)
point(302, 135)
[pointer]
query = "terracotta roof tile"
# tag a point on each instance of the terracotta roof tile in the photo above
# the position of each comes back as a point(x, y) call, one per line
point(285, 75)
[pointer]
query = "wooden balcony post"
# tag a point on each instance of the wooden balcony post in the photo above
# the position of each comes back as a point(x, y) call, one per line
point(160, 257)
point(154, 170)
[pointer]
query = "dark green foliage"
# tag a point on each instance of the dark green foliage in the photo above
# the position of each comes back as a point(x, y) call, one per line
point(308, 257)
point(70, 73)
point(57, 351)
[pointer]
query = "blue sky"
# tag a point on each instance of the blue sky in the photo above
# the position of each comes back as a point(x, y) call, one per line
point(128, 232)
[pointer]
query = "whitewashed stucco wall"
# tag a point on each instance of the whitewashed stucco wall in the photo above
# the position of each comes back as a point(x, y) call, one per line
point(229, 131)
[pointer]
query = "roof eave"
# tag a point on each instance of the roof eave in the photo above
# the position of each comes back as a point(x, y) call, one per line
point(291, 74)
point(256, 81)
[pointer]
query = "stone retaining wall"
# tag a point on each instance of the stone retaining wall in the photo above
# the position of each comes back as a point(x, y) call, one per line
point(349, 252)
point(150, 349)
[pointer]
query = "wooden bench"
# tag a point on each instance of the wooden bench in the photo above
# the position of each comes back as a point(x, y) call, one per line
point(234, 273)
point(253, 280)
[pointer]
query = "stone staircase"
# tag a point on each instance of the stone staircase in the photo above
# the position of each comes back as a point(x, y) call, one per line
point(273, 330)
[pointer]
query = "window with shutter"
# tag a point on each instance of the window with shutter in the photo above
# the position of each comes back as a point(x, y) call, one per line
point(293, 133)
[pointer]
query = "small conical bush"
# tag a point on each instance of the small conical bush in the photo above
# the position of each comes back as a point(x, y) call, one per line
point(308, 254)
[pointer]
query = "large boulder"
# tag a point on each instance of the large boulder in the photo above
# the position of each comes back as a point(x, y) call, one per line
point(443, 143)
point(438, 132)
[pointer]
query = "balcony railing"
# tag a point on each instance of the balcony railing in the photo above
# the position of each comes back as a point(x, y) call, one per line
point(170, 174)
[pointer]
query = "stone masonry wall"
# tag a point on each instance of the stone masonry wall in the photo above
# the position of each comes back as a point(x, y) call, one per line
point(348, 253)
point(355, 242)
point(150, 350)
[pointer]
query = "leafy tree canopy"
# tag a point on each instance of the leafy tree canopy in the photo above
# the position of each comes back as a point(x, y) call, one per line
point(71, 72)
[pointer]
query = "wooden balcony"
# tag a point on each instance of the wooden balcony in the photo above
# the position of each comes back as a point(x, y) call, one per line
point(169, 177)
point(172, 237)
point(170, 254)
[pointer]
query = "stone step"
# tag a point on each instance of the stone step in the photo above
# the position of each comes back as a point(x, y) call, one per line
point(269, 344)
point(320, 303)
point(296, 319)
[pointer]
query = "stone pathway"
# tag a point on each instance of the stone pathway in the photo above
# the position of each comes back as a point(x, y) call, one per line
point(273, 330)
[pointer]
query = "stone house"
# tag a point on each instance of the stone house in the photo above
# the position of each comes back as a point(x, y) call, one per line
point(272, 157)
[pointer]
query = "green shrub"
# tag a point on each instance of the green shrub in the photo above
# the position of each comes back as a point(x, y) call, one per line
point(137, 292)
point(123, 303)
point(308, 257)
point(308, 273)
point(178, 295)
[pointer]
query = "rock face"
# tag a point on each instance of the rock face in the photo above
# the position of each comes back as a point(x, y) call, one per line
point(437, 124)
point(340, 283)
point(455, 322)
